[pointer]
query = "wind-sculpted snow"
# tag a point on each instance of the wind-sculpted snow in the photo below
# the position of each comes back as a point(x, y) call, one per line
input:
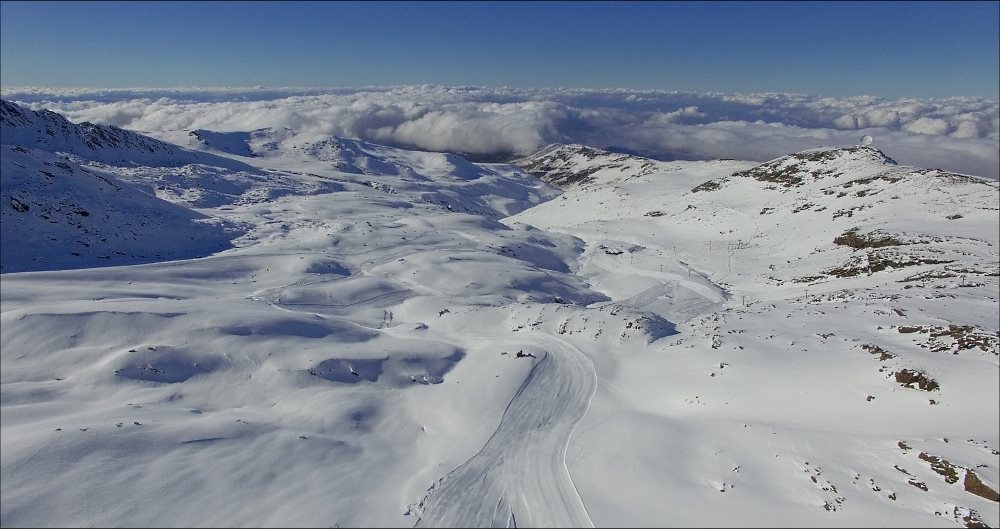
point(313, 337)
point(400, 371)
point(166, 364)
point(394, 338)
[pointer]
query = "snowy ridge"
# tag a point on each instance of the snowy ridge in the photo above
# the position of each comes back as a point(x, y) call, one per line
point(449, 180)
point(813, 165)
point(77, 196)
point(227, 142)
point(102, 143)
point(576, 165)
point(860, 201)
point(58, 214)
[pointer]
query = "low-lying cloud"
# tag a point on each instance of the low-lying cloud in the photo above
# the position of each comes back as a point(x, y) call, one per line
point(957, 134)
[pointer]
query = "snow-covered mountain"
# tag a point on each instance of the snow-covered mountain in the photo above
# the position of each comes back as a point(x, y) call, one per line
point(57, 214)
point(401, 338)
point(577, 165)
point(861, 332)
point(52, 132)
point(491, 190)
point(854, 204)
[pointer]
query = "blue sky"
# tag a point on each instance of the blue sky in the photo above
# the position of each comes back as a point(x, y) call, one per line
point(886, 49)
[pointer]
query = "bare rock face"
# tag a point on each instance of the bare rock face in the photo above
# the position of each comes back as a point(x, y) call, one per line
point(908, 378)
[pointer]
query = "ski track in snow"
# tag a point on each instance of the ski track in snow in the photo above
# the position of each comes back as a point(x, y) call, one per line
point(526, 456)
point(520, 476)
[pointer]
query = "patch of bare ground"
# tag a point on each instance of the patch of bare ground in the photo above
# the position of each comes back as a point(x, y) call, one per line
point(955, 338)
point(882, 354)
point(950, 472)
point(849, 212)
point(864, 181)
point(952, 177)
point(711, 185)
point(942, 467)
point(976, 486)
point(975, 271)
point(971, 518)
point(876, 261)
point(908, 378)
point(930, 274)
point(875, 239)
point(785, 175)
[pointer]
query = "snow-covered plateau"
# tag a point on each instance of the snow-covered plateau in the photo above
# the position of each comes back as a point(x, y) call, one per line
point(265, 328)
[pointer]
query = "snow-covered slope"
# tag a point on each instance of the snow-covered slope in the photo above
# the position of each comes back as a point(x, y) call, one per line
point(853, 369)
point(796, 205)
point(52, 132)
point(386, 346)
point(228, 142)
point(494, 190)
point(57, 214)
point(351, 349)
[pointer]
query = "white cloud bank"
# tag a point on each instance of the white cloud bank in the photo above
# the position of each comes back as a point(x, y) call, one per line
point(957, 134)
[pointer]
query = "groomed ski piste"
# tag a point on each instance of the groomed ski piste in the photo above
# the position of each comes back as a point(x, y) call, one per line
point(265, 329)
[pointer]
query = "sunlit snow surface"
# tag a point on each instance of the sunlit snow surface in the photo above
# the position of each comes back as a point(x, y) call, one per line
point(367, 337)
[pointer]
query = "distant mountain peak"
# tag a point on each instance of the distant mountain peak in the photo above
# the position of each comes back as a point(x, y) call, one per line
point(864, 153)
point(814, 164)
point(566, 165)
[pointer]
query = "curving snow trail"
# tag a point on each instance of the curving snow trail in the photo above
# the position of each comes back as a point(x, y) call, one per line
point(519, 478)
